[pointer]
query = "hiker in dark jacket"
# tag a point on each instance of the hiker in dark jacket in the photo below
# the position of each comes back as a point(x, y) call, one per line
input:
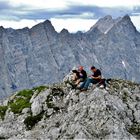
point(94, 79)
point(82, 75)
point(79, 76)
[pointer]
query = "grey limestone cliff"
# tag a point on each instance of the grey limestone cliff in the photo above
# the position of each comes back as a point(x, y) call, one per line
point(40, 55)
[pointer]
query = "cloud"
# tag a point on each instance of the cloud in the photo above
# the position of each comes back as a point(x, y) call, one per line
point(22, 11)
point(73, 25)
point(19, 24)
point(41, 4)
point(107, 3)
point(59, 4)
point(136, 21)
point(29, 12)
point(4, 5)
point(46, 9)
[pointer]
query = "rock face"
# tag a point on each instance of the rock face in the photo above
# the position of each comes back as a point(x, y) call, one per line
point(105, 24)
point(58, 112)
point(40, 55)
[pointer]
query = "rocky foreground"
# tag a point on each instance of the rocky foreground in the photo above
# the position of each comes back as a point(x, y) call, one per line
point(59, 112)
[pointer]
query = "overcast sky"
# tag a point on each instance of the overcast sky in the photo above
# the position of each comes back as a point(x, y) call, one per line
point(73, 15)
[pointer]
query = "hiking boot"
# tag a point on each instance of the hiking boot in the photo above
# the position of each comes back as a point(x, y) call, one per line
point(107, 88)
point(101, 86)
point(84, 89)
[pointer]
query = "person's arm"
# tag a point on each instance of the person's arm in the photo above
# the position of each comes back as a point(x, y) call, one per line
point(99, 77)
point(84, 74)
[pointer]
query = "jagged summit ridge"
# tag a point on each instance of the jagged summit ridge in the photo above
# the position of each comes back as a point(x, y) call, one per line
point(104, 24)
point(58, 112)
point(40, 55)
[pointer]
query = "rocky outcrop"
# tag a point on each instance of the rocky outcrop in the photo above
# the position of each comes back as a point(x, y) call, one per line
point(59, 112)
point(40, 55)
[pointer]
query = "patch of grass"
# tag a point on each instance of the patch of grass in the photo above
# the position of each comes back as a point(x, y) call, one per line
point(30, 121)
point(3, 111)
point(26, 93)
point(40, 88)
point(19, 104)
point(21, 101)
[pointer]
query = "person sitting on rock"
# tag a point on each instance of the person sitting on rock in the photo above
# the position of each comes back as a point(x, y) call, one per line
point(94, 79)
point(79, 75)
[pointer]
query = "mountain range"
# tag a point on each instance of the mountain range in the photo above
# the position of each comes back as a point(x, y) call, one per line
point(40, 55)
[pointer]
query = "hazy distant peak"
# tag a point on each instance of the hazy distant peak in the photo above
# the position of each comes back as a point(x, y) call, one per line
point(126, 17)
point(1, 27)
point(64, 31)
point(108, 17)
point(47, 22)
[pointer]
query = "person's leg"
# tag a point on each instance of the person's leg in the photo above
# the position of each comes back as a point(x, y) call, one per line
point(89, 80)
point(82, 85)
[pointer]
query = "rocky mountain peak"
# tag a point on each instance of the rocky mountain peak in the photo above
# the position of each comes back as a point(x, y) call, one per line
point(124, 26)
point(48, 23)
point(126, 21)
point(126, 18)
point(59, 112)
point(106, 18)
point(1, 28)
point(48, 26)
point(64, 32)
point(104, 24)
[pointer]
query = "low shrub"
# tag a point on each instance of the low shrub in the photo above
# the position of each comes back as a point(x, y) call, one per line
point(30, 121)
point(19, 104)
point(40, 88)
point(26, 93)
point(3, 111)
